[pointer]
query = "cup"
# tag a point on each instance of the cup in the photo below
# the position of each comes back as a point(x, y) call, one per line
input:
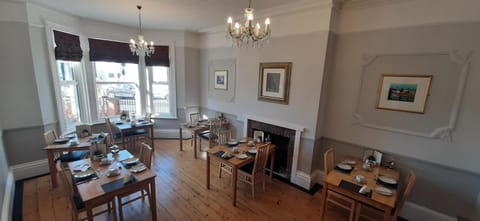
point(251, 143)
point(113, 171)
point(360, 179)
point(235, 150)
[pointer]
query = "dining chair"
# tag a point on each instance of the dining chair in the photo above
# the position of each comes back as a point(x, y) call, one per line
point(194, 118)
point(50, 136)
point(366, 212)
point(78, 206)
point(255, 171)
point(116, 135)
point(145, 156)
point(220, 134)
point(148, 116)
point(333, 197)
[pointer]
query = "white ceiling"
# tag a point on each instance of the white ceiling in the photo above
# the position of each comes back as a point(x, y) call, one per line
point(192, 15)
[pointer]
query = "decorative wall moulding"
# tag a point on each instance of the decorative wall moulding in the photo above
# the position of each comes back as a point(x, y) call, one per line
point(449, 71)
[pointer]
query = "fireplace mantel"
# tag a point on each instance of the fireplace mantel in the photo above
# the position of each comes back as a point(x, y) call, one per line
point(296, 147)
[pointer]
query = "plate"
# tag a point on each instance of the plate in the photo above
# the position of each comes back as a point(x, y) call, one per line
point(344, 166)
point(113, 173)
point(388, 180)
point(81, 168)
point(138, 168)
point(61, 140)
point(132, 160)
point(241, 156)
point(252, 151)
point(383, 191)
point(244, 140)
point(350, 162)
point(84, 174)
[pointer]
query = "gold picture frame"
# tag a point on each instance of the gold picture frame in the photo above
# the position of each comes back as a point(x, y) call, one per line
point(274, 82)
point(406, 93)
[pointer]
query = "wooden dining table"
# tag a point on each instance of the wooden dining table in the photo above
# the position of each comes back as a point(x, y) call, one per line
point(127, 127)
point(84, 143)
point(236, 163)
point(92, 192)
point(384, 203)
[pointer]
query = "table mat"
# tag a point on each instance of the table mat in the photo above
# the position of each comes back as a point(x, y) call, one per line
point(343, 170)
point(220, 153)
point(82, 179)
point(117, 184)
point(388, 185)
point(353, 188)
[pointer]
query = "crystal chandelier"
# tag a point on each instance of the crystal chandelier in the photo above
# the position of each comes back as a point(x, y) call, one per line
point(141, 47)
point(248, 35)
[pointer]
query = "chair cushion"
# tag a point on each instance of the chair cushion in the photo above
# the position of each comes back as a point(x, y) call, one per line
point(73, 156)
point(247, 168)
point(79, 204)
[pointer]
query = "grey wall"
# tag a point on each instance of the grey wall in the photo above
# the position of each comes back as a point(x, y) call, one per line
point(306, 52)
point(461, 153)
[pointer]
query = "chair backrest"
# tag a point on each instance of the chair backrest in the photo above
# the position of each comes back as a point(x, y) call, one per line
point(406, 190)
point(220, 133)
point(146, 154)
point(194, 117)
point(148, 116)
point(261, 159)
point(49, 137)
point(328, 161)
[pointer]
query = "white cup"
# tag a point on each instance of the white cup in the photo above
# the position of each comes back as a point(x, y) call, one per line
point(360, 178)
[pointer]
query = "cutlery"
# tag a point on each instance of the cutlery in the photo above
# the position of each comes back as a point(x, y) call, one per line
point(87, 180)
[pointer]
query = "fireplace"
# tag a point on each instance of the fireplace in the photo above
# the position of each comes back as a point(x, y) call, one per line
point(284, 140)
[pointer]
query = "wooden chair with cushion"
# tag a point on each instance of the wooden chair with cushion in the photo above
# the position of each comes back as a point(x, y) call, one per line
point(365, 212)
point(219, 134)
point(78, 206)
point(254, 172)
point(116, 135)
point(50, 136)
point(145, 156)
point(194, 119)
point(333, 197)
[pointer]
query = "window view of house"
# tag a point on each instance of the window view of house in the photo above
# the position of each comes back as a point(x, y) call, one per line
point(68, 72)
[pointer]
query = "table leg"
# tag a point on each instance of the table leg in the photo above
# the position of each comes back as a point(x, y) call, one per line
point(387, 216)
point(181, 139)
point(324, 201)
point(151, 138)
point(153, 200)
point(52, 168)
point(235, 171)
point(123, 141)
point(195, 145)
point(208, 172)
point(89, 208)
point(272, 162)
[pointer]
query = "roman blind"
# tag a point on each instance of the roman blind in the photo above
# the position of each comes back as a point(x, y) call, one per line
point(112, 51)
point(67, 46)
point(159, 58)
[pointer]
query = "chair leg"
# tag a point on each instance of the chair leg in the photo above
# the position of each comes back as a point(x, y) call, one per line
point(253, 189)
point(220, 171)
point(114, 210)
point(357, 212)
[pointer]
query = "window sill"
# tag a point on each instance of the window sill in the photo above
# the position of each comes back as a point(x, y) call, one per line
point(164, 117)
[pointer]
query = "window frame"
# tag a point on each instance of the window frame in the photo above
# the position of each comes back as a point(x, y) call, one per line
point(171, 93)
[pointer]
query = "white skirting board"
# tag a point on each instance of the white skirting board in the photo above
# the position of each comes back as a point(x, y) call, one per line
point(8, 198)
point(171, 133)
point(410, 211)
point(302, 179)
point(30, 169)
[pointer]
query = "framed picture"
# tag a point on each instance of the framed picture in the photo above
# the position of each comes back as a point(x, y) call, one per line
point(221, 79)
point(406, 93)
point(258, 134)
point(274, 82)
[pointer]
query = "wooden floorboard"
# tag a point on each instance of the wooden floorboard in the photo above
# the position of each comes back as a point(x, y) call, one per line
point(181, 195)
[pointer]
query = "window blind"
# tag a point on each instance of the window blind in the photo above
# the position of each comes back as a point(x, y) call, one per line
point(67, 46)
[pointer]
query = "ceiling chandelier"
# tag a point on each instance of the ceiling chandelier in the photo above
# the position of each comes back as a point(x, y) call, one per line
point(141, 47)
point(248, 35)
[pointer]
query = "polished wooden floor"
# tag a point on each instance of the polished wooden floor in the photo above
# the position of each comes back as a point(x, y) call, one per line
point(181, 195)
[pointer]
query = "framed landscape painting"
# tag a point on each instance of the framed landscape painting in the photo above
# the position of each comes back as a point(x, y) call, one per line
point(408, 93)
point(274, 82)
point(221, 79)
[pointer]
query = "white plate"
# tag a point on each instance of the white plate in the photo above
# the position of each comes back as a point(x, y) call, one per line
point(241, 156)
point(138, 168)
point(232, 142)
point(252, 150)
point(84, 174)
point(344, 166)
point(243, 140)
point(131, 160)
point(388, 180)
point(350, 162)
point(383, 191)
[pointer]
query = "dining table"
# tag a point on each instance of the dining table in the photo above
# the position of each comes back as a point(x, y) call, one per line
point(235, 162)
point(128, 128)
point(102, 188)
point(196, 129)
point(344, 182)
point(68, 145)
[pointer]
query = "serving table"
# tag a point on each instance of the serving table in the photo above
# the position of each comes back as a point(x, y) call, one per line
point(235, 163)
point(384, 203)
point(92, 191)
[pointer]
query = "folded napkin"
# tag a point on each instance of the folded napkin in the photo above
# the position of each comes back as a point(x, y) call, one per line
point(82, 179)
point(117, 184)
